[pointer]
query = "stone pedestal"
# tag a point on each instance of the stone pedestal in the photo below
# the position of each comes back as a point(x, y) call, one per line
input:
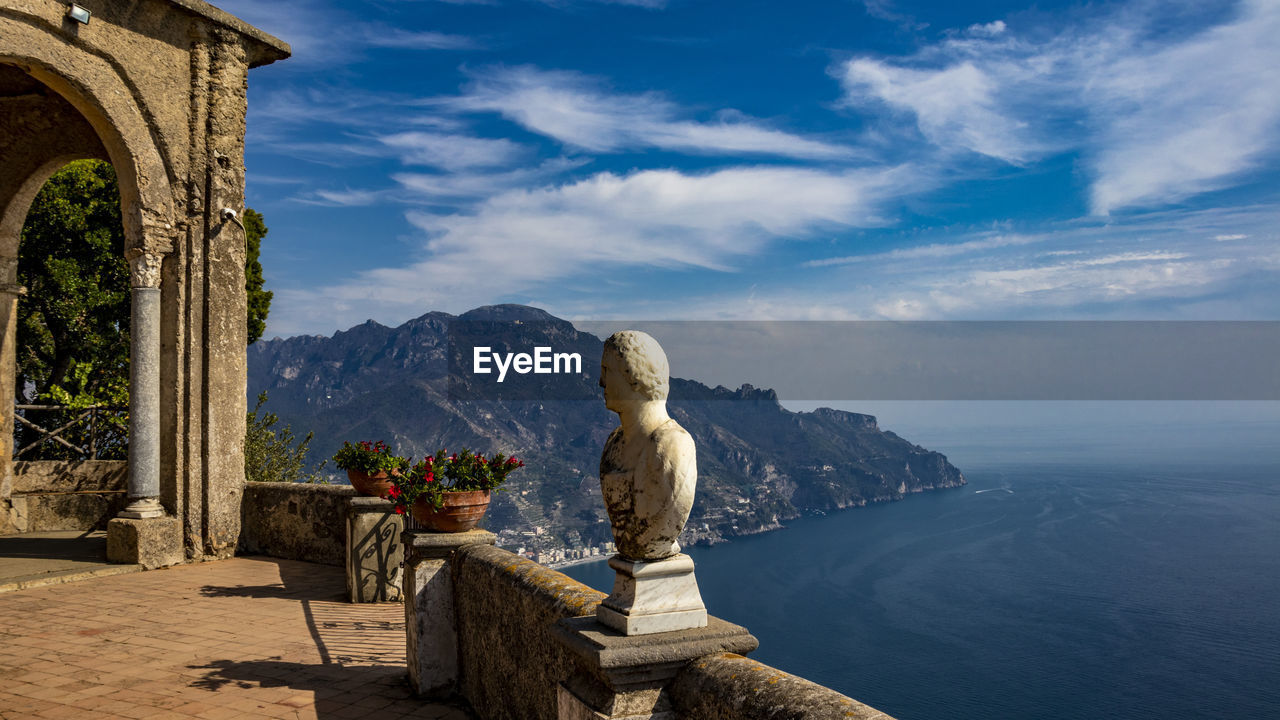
point(374, 550)
point(431, 634)
point(149, 542)
point(653, 597)
point(625, 678)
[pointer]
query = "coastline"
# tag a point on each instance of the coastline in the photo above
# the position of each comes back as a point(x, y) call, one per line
point(579, 561)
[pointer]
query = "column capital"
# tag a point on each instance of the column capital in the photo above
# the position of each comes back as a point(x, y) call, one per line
point(144, 269)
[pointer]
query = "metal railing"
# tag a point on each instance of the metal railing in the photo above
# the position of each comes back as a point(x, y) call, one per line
point(86, 425)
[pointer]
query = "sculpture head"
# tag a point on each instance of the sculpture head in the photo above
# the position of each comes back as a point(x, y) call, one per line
point(633, 370)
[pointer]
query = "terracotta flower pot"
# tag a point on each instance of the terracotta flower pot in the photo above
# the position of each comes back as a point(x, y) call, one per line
point(461, 511)
point(376, 485)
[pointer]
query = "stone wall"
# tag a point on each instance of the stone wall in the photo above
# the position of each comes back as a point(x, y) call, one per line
point(296, 521)
point(506, 609)
point(732, 687)
point(57, 495)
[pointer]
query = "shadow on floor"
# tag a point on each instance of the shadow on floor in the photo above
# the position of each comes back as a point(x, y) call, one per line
point(44, 553)
point(75, 545)
point(298, 581)
point(376, 689)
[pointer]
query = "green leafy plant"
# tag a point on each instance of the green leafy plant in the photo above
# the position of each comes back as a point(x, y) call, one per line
point(369, 457)
point(274, 455)
point(436, 475)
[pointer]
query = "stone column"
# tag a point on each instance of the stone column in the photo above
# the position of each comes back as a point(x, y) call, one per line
point(144, 389)
point(9, 294)
point(142, 534)
point(431, 630)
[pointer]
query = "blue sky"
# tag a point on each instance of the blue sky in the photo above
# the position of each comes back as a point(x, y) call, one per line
point(687, 159)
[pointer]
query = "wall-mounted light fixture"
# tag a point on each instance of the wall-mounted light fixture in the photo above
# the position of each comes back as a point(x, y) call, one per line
point(79, 14)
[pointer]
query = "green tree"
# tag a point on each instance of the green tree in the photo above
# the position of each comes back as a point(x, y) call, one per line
point(255, 228)
point(73, 325)
point(275, 455)
point(76, 313)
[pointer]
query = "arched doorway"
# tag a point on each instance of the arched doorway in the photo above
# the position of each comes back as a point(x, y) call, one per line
point(42, 133)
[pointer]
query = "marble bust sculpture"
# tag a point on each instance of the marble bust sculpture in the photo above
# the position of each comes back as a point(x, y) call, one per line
point(648, 473)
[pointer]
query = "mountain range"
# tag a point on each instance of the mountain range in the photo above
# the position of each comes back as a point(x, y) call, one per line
point(759, 464)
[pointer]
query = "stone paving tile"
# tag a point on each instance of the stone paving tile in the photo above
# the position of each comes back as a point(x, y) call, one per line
point(240, 638)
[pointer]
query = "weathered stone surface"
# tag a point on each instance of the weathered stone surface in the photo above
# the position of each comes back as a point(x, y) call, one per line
point(731, 687)
point(56, 495)
point(296, 521)
point(625, 676)
point(47, 476)
point(158, 88)
point(149, 542)
point(431, 642)
point(653, 597)
point(506, 608)
point(9, 293)
point(621, 676)
point(374, 550)
point(648, 471)
point(40, 512)
point(144, 390)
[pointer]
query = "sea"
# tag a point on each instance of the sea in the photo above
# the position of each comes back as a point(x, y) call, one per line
point(1060, 584)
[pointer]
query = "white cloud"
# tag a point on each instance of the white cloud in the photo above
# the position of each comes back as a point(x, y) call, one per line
point(452, 151)
point(1157, 118)
point(1060, 285)
point(393, 37)
point(523, 240)
point(991, 29)
point(1152, 266)
point(322, 33)
point(954, 107)
point(340, 198)
point(936, 250)
point(576, 111)
point(478, 185)
point(884, 10)
point(1185, 118)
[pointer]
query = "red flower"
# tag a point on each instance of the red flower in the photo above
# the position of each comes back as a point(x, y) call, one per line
point(431, 477)
point(399, 510)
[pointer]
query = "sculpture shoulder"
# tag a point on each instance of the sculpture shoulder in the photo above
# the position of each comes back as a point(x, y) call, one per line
point(670, 439)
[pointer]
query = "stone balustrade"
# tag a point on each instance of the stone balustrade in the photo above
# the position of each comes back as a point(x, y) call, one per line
point(524, 643)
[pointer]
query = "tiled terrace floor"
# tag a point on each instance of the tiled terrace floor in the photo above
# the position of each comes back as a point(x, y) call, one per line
point(241, 638)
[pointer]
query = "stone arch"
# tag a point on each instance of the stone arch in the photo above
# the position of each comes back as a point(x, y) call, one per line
point(105, 100)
